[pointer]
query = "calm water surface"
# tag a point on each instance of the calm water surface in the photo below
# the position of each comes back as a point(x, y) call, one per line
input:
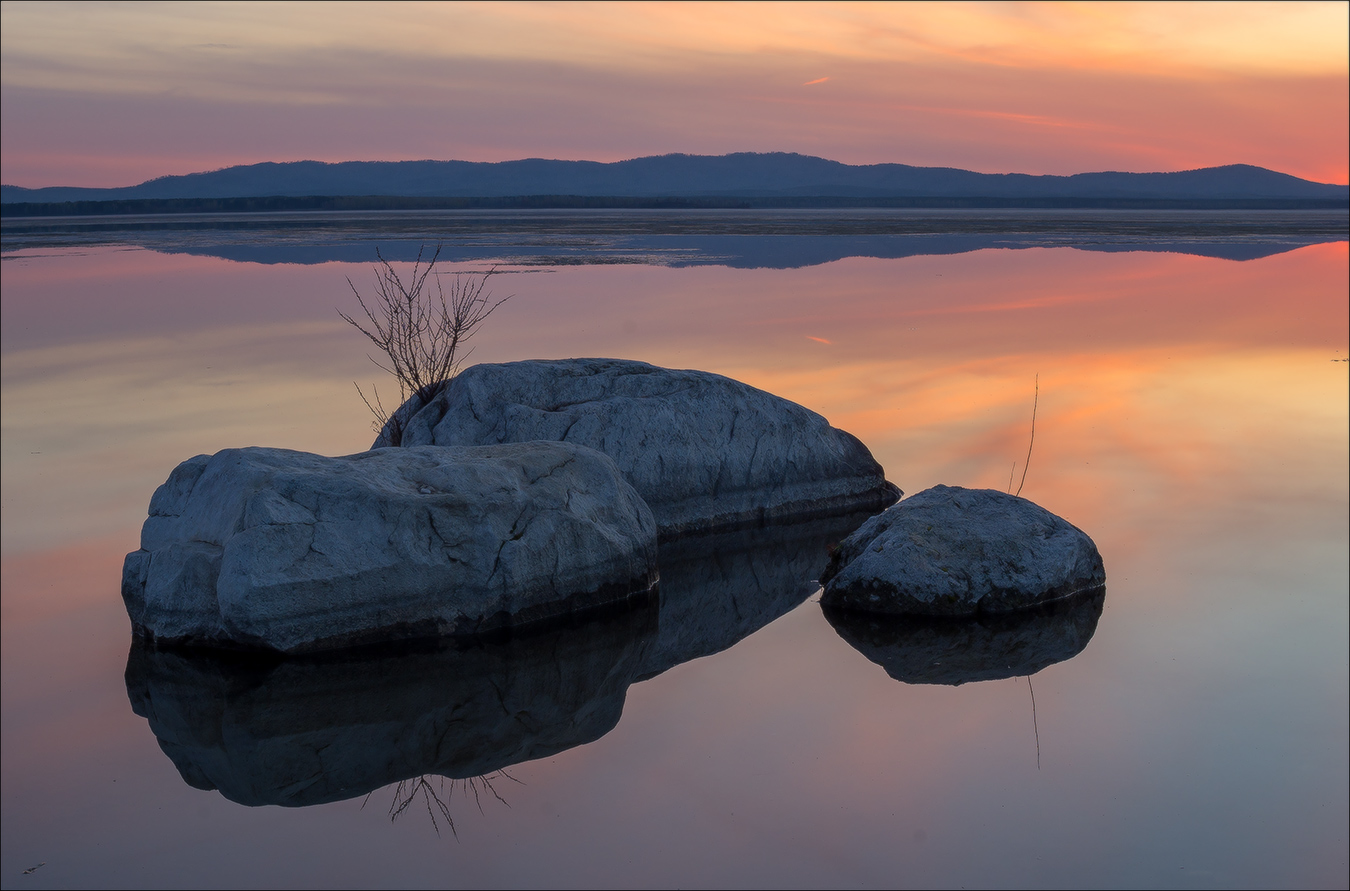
point(1192, 418)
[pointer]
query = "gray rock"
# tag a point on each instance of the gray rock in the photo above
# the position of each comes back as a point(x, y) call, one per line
point(705, 451)
point(994, 646)
point(304, 730)
point(290, 551)
point(949, 551)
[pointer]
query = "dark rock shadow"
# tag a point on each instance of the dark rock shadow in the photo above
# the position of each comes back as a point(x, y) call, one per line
point(989, 647)
point(307, 730)
point(311, 729)
point(717, 590)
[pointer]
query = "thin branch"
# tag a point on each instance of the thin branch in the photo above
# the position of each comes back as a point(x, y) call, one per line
point(420, 332)
point(1027, 463)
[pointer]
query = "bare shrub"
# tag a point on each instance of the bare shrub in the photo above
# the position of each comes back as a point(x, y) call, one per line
point(420, 330)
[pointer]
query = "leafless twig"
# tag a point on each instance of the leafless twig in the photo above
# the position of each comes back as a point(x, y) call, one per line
point(421, 332)
point(1032, 442)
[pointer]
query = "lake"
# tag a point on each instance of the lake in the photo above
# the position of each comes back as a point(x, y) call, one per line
point(1189, 376)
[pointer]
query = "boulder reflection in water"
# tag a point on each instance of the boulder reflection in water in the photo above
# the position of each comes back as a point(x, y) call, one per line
point(309, 730)
point(926, 650)
point(717, 590)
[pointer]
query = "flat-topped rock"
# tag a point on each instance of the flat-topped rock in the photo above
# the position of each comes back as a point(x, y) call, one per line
point(706, 452)
point(949, 551)
point(290, 551)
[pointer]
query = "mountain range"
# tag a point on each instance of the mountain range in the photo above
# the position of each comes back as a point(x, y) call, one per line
point(754, 178)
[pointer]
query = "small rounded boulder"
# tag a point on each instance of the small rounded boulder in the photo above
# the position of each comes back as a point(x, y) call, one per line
point(949, 551)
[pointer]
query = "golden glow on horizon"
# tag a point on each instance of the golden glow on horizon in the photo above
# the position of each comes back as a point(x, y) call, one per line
point(996, 87)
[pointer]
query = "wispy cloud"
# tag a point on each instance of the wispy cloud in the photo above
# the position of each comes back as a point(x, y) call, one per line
point(1030, 87)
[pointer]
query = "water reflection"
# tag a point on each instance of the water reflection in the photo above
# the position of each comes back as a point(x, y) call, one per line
point(924, 650)
point(718, 590)
point(309, 730)
point(772, 239)
point(433, 793)
point(1191, 416)
point(305, 731)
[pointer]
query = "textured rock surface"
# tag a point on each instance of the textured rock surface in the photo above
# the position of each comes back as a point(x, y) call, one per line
point(291, 551)
point(705, 451)
point(927, 650)
point(949, 551)
point(305, 730)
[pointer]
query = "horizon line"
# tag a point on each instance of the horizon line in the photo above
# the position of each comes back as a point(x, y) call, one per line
point(663, 155)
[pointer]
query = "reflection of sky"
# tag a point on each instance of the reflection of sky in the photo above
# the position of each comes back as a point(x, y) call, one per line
point(1191, 418)
point(1170, 370)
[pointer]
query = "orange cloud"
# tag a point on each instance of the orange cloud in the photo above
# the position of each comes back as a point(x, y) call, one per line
point(1029, 88)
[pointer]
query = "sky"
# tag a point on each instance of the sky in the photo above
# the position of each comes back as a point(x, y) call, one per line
point(112, 94)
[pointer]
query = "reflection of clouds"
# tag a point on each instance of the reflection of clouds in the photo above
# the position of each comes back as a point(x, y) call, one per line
point(161, 357)
point(164, 356)
point(1116, 431)
point(143, 405)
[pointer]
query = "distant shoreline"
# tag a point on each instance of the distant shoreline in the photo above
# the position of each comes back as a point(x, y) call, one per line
point(266, 204)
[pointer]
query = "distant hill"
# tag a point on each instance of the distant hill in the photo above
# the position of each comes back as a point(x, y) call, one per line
point(756, 179)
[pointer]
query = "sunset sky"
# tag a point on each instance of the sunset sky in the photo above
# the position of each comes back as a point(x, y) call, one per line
point(100, 94)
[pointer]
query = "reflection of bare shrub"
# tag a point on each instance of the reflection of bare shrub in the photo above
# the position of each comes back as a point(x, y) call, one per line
point(432, 790)
point(421, 333)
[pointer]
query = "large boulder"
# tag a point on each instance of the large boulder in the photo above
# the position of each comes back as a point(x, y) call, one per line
point(705, 451)
point(290, 551)
point(949, 551)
